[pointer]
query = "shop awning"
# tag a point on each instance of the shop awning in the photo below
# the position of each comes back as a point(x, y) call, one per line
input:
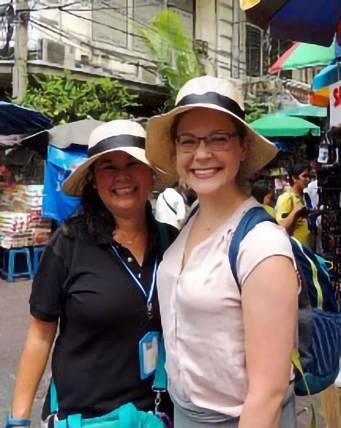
point(62, 136)
point(310, 21)
point(281, 125)
point(320, 97)
point(306, 110)
point(329, 75)
point(18, 120)
point(303, 55)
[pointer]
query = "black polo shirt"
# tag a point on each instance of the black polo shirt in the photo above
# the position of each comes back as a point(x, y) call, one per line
point(102, 317)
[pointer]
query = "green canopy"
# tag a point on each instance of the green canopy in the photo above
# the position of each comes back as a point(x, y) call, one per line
point(306, 110)
point(281, 125)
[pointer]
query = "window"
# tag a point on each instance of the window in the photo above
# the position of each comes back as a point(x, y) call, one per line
point(143, 12)
point(111, 22)
point(253, 51)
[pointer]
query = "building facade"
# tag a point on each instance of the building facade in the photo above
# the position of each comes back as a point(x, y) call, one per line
point(100, 38)
point(95, 38)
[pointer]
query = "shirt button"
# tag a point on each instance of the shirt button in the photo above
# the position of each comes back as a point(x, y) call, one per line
point(129, 259)
point(139, 275)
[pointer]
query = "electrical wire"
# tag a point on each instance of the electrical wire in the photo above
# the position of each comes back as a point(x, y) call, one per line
point(149, 68)
point(139, 22)
point(62, 7)
point(214, 51)
point(109, 52)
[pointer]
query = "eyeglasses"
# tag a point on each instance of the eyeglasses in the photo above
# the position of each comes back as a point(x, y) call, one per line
point(215, 142)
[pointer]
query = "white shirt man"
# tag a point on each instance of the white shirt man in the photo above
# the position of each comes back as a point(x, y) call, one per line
point(312, 191)
point(170, 208)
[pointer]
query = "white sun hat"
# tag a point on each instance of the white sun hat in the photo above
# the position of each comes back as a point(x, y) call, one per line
point(118, 135)
point(211, 93)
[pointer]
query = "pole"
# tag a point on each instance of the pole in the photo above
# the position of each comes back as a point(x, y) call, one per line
point(19, 76)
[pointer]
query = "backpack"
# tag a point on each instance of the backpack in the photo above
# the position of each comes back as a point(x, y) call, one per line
point(319, 318)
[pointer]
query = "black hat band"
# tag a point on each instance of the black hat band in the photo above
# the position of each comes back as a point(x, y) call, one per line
point(213, 98)
point(116, 142)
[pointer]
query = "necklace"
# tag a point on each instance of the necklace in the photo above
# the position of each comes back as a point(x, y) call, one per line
point(123, 238)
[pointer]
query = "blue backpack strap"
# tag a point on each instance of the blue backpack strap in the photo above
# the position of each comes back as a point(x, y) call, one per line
point(250, 219)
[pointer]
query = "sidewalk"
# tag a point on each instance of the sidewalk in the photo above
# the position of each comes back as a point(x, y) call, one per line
point(14, 318)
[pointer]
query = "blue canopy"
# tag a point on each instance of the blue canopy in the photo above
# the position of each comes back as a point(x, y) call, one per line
point(327, 76)
point(310, 21)
point(15, 119)
point(59, 165)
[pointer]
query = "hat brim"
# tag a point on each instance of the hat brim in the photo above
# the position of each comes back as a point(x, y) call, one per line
point(76, 181)
point(160, 148)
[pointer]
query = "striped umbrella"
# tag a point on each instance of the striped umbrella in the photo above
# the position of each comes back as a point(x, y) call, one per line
point(303, 55)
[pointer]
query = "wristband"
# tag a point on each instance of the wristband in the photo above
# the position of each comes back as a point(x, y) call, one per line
point(12, 422)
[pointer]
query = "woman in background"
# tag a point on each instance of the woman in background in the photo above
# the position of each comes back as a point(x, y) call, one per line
point(264, 193)
point(291, 209)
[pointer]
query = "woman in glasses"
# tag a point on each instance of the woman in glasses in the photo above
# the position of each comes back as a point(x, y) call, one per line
point(228, 349)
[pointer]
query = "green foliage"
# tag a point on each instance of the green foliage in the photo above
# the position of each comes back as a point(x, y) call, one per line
point(65, 99)
point(168, 45)
point(256, 106)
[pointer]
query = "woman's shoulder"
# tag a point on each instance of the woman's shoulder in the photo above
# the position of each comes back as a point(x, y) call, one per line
point(285, 196)
point(267, 236)
point(67, 231)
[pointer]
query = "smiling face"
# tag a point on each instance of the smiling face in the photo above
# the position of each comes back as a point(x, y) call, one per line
point(123, 183)
point(209, 171)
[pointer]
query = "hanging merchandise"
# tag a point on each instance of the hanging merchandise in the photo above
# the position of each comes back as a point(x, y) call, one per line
point(60, 163)
point(329, 185)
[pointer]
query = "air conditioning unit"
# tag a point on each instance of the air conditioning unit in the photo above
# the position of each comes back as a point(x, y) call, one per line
point(53, 52)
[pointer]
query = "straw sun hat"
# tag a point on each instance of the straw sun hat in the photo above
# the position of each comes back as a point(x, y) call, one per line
point(118, 135)
point(212, 93)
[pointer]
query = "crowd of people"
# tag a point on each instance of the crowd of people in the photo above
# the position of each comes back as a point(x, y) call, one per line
point(114, 282)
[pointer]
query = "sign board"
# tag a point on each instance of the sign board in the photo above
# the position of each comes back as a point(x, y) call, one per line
point(335, 104)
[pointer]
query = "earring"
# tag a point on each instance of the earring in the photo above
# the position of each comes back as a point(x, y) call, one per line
point(94, 186)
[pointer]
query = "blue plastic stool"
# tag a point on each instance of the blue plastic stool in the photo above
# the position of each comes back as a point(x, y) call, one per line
point(10, 265)
point(37, 252)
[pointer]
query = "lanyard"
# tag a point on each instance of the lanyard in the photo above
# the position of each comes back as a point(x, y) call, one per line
point(148, 297)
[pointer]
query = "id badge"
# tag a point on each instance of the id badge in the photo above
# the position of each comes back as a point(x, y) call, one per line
point(148, 353)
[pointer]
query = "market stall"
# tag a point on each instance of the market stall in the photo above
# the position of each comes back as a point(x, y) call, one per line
point(22, 228)
point(296, 138)
point(32, 171)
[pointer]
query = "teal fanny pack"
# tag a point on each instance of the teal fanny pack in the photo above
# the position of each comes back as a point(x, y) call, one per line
point(127, 415)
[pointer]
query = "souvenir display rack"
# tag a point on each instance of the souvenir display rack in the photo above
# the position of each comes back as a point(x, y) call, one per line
point(329, 184)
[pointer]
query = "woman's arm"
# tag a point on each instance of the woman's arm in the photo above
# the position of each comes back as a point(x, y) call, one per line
point(289, 222)
point(33, 361)
point(270, 304)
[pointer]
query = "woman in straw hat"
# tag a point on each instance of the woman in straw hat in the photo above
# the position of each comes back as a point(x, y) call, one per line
point(228, 351)
point(96, 281)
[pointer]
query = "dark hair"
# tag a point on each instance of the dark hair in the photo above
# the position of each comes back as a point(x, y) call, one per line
point(240, 128)
point(92, 210)
point(260, 189)
point(295, 170)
